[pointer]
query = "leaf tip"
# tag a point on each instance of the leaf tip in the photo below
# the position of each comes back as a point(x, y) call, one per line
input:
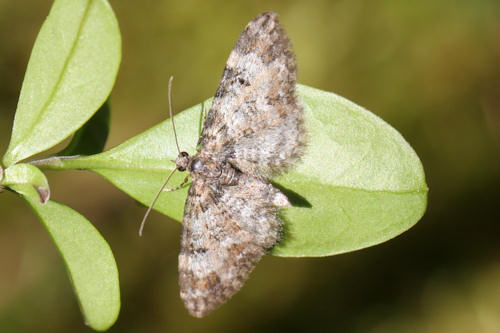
point(43, 193)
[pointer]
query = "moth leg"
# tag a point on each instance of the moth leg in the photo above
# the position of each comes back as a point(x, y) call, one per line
point(203, 119)
point(177, 187)
point(204, 111)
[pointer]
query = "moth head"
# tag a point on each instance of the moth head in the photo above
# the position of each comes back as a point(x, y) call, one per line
point(182, 161)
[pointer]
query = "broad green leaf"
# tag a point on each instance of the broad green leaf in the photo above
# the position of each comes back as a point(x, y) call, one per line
point(363, 180)
point(26, 175)
point(91, 138)
point(358, 184)
point(88, 258)
point(70, 74)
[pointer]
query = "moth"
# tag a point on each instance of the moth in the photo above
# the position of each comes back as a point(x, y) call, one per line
point(253, 131)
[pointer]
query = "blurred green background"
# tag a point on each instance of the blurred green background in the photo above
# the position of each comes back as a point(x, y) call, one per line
point(429, 68)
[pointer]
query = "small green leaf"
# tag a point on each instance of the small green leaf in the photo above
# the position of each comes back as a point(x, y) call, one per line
point(91, 138)
point(70, 74)
point(358, 184)
point(89, 260)
point(27, 178)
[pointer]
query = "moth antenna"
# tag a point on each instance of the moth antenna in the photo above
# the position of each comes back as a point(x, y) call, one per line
point(154, 201)
point(171, 113)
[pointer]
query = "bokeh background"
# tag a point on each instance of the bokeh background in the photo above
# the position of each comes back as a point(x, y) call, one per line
point(429, 68)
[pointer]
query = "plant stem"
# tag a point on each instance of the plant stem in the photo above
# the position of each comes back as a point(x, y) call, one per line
point(60, 162)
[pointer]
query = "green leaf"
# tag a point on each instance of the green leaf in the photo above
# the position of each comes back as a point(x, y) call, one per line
point(27, 178)
point(91, 138)
point(89, 260)
point(358, 184)
point(363, 180)
point(70, 74)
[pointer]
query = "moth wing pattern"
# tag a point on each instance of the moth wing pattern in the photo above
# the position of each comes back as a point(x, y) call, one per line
point(253, 130)
point(226, 230)
point(255, 121)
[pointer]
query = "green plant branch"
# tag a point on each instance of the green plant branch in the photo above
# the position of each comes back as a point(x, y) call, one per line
point(59, 163)
point(79, 162)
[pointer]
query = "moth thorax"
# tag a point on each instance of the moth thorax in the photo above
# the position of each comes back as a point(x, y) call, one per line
point(229, 175)
point(196, 165)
